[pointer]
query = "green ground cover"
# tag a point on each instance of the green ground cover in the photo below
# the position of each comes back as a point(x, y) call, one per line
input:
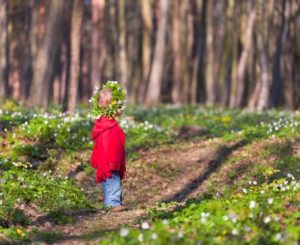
point(265, 211)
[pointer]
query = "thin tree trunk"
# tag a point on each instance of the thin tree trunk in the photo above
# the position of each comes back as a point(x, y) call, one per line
point(277, 83)
point(134, 34)
point(98, 42)
point(27, 62)
point(76, 26)
point(65, 56)
point(155, 81)
point(228, 56)
point(209, 66)
point(113, 70)
point(219, 59)
point(193, 64)
point(85, 87)
point(4, 91)
point(177, 53)
point(39, 92)
point(187, 43)
point(201, 47)
point(238, 77)
point(146, 14)
point(192, 47)
point(122, 43)
point(263, 99)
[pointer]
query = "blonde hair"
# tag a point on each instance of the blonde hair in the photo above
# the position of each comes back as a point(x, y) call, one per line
point(105, 97)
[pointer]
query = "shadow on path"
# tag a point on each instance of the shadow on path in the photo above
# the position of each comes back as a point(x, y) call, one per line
point(58, 238)
point(221, 155)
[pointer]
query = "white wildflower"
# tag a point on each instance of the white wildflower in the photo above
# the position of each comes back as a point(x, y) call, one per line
point(234, 232)
point(278, 237)
point(165, 222)
point(276, 218)
point(225, 217)
point(252, 204)
point(247, 228)
point(267, 219)
point(145, 225)
point(233, 217)
point(270, 200)
point(180, 234)
point(141, 237)
point(124, 232)
point(154, 236)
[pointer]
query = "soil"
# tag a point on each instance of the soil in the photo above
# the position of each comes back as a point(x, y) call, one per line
point(168, 173)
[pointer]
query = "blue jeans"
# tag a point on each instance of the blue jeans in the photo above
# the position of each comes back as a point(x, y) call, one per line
point(112, 190)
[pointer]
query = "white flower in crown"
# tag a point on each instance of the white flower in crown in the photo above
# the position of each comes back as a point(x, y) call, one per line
point(117, 103)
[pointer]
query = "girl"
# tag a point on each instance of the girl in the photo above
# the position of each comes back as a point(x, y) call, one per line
point(108, 157)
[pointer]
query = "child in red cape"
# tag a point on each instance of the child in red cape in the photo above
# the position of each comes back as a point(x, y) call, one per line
point(108, 156)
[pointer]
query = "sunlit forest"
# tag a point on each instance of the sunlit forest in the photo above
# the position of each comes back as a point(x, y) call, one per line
point(229, 53)
point(206, 93)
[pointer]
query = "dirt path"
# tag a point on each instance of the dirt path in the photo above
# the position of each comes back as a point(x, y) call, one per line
point(171, 172)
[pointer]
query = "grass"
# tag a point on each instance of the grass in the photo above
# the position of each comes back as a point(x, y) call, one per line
point(38, 147)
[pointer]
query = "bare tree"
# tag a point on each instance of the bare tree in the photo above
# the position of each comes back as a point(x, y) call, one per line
point(277, 78)
point(76, 25)
point(155, 81)
point(209, 66)
point(122, 43)
point(98, 41)
point(146, 14)
point(29, 7)
point(238, 77)
point(4, 93)
point(40, 87)
point(177, 52)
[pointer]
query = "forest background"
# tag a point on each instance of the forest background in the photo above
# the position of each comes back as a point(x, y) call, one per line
point(231, 53)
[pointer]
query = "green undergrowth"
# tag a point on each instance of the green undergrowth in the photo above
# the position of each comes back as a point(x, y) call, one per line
point(261, 214)
point(21, 186)
point(221, 122)
point(35, 143)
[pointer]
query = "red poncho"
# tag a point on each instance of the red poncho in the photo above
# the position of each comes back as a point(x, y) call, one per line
point(109, 149)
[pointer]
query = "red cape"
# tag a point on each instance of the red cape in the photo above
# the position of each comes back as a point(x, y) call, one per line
point(109, 149)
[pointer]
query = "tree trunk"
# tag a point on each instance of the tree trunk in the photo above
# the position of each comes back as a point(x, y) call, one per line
point(238, 77)
point(39, 92)
point(27, 61)
point(4, 91)
point(229, 49)
point(209, 66)
point(263, 98)
point(146, 14)
point(37, 28)
point(76, 25)
point(277, 83)
point(193, 64)
point(201, 47)
point(177, 53)
point(98, 42)
point(155, 81)
point(123, 74)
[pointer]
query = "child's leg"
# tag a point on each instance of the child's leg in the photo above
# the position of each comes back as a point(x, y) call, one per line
point(112, 190)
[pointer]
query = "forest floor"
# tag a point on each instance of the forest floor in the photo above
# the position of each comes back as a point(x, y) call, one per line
point(174, 172)
point(183, 165)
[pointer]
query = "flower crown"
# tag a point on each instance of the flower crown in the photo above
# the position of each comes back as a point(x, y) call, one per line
point(117, 104)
